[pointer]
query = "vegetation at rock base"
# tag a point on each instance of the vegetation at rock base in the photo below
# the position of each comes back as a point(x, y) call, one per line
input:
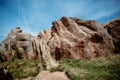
point(22, 68)
point(103, 68)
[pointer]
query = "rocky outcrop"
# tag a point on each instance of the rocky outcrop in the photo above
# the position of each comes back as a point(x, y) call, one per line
point(8, 46)
point(79, 38)
point(24, 46)
point(68, 38)
point(113, 28)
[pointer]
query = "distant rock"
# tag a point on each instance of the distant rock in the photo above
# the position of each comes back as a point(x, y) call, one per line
point(67, 38)
point(113, 28)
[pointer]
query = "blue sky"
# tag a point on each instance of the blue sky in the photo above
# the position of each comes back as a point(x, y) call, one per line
point(34, 16)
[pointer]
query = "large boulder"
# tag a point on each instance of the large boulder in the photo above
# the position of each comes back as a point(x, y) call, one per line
point(8, 46)
point(18, 43)
point(113, 28)
point(24, 46)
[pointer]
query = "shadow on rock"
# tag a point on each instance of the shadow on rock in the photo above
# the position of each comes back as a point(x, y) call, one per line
point(5, 74)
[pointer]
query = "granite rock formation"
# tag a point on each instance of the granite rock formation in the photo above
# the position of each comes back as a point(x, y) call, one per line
point(68, 38)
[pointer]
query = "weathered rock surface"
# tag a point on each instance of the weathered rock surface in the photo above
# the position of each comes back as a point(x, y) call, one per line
point(24, 46)
point(68, 38)
point(8, 46)
point(113, 28)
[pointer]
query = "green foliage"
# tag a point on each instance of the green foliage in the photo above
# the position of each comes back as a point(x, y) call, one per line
point(59, 68)
point(22, 68)
point(104, 68)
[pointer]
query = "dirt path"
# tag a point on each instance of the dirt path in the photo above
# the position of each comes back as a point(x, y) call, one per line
point(47, 75)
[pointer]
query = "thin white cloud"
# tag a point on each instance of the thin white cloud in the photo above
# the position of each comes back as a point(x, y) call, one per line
point(71, 8)
point(103, 9)
point(35, 16)
point(89, 9)
point(38, 14)
point(25, 21)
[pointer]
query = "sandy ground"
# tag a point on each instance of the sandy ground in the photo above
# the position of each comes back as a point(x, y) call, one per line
point(47, 75)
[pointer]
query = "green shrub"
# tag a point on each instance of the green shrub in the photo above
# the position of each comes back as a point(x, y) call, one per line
point(104, 68)
point(22, 68)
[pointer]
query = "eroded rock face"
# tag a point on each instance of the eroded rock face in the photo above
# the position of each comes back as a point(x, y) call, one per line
point(8, 46)
point(113, 28)
point(74, 38)
point(68, 38)
point(24, 46)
